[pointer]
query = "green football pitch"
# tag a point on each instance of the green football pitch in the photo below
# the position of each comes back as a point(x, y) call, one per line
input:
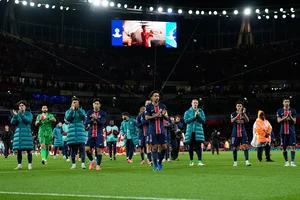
point(218, 179)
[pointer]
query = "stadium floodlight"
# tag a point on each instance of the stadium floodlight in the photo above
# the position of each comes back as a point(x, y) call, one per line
point(96, 2)
point(105, 3)
point(17, 1)
point(140, 8)
point(257, 11)
point(125, 5)
point(53, 6)
point(24, 3)
point(197, 12)
point(267, 17)
point(293, 15)
point(224, 12)
point(215, 12)
point(281, 9)
point(151, 8)
point(47, 6)
point(32, 4)
point(202, 12)
point(266, 10)
point(119, 5)
point(292, 10)
point(209, 12)
point(283, 16)
point(160, 9)
point(247, 11)
point(170, 10)
point(190, 12)
point(39, 5)
point(259, 17)
point(90, 1)
point(180, 11)
point(112, 4)
point(67, 8)
point(235, 12)
point(275, 16)
point(134, 7)
point(61, 7)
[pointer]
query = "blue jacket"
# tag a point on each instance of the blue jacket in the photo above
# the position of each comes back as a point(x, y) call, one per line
point(22, 137)
point(57, 134)
point(142, 125)
point(98, 123)
point(194, 124)
point(130, 130)
point(65, 128)
point(76, 134)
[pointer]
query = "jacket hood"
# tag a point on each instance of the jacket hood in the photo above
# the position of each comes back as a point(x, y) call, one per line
point(259, 113)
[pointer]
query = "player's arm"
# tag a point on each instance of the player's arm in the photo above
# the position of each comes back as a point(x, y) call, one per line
point(88, 119)
point(81, 113)
point(147, 113)
point(136, 127)
point(293, 116)
point(139, 122)
point(188, 117)
point(279, 119)
point(14, 120)
point(201, 117)
point(70, 115)
point(233, 119)
point(245, 116)
point(52, 118)
point(102, 119)
point(26, 118)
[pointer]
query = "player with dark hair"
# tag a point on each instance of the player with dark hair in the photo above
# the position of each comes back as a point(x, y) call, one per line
point(22, 138)
point(239, 135)
point(142, 125)
point(96, 119)
point(76, 136)
point(44, 121)
point(287, 116)
point(156, 112)
point(112, 132)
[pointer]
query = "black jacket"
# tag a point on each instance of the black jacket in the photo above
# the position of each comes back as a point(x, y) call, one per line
point(7, 136)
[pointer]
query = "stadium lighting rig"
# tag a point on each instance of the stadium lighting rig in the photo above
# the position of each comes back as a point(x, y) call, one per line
point(259, 12)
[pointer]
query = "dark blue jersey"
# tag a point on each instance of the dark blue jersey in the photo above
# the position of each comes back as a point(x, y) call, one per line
point(96, 125)
point(142, 124)
point(155, 125)
point(287, 127)
point(238, 129)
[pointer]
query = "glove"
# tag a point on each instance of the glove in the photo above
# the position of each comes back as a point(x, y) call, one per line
point(42, 118)
point(115, 132)
point(64, 133)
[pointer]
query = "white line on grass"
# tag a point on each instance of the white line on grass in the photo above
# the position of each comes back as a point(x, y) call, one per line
point(87, 196)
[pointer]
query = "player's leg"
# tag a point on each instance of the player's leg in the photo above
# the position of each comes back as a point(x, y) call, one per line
point(115, 149)
point(292, 143)
point(163, 147)
point(149, 152)
point(191, 149)
point(55, 150)
point(177, 149)
point(73, 149)
point(110, 144)
point(284, 144)
point(245, 148)
point(130, 150)
point(259, 152)
point(198, 149)
point(43, 147)
point(19, 158)
point(235, 143)
point(154, 145)
point(81, 148)
point(217, 147)
point(29, 158)
point(100, 145)
point(268, 153)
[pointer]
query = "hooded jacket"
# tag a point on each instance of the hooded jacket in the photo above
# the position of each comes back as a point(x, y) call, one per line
point(261, 130)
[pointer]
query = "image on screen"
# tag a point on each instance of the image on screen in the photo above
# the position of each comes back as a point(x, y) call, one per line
point(144, 33)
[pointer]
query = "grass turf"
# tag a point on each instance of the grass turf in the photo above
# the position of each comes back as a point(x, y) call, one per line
point(217, 180)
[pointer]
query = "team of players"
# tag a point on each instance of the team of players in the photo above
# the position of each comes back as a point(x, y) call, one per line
point(147, 131)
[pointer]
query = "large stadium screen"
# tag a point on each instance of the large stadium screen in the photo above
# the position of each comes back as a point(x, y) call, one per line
point(143, 33)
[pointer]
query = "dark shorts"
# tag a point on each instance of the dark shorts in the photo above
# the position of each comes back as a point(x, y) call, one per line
point(237, 141)
point(94, 142)
point(157, 138)
point(288, 140)
point(142, 141)
point(169, 138)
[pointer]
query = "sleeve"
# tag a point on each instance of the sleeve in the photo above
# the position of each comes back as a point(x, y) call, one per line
point(51, 116)
point(81, 113)
point(233, 115)
point(201, 118)
point(122, 129)
point(278, 114)
point(135, 125)
point(26, 118)
point(88, 119)
point(54, 132)
point(139, 122)
point(102, 119)
point(108, 132)
point(38, 118)
point(70, 115)
point(188, 118)
point(14, 120)
point(147, 111)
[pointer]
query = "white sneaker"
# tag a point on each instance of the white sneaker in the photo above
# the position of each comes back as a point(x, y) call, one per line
point(191, 163)
point(293, 164)
point(68, 160)
point(29, 167)
point(248, 163)
point(286, 164)
point(235, 164)
point(169, 160)
point(83, 166)
point(19, 167)
point(64, 157)
point(164, 160)
point(200, 163)
point(73, 166)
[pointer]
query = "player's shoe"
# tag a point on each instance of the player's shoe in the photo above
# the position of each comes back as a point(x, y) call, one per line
point(92, 165)
point(293, 164)
point(156, 168)
point(68, 160)
point(142, 162)
point(191, 163)
point(19, 167)
point(54, 157)
point(248, 164)
point(270, 160)
point(200, 163)
point(115, 158)
point(160, 167)
point(164, 160)
point(73, 166)
point(148, 161)
point(235, 164)
point(151, 164)
point(169, 160)
point(44, 162)
point(83, 166)
point(98, 168)
point(64, 157)
point(110, 159)
point(29, 167)
point(130, 161)
point(286, 164)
